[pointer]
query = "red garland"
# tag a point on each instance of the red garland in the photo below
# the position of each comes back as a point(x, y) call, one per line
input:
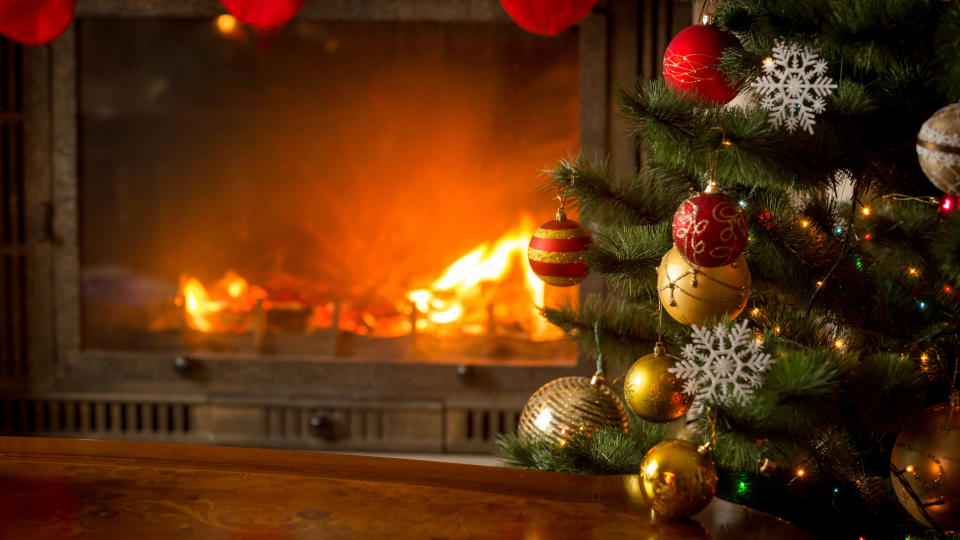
point(691, 63)
point(549, 17)
point(35, 22)
point(263, 13)
point(710, 229)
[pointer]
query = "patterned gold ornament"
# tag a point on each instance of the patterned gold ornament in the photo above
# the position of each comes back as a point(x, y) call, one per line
point(678, 480)
point(927, 456)
point(694, 294)
point(652, 392)
point(938, 148)
point(564, 407)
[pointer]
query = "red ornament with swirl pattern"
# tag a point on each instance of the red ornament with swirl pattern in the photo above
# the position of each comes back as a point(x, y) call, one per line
point(710, 229)
point(691, 63)
point(557, 251)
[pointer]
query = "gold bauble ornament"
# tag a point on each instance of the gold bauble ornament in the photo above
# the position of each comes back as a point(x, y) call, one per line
point(694, 294)
point(568, 406)
point(927, 452)
point(938, 148)
point(678, 480)
point(652, 392)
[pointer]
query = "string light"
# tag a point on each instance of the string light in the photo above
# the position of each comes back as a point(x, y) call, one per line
point(923, 305)
point(755, 312)
point(776, 330)
point(801, 472)
point(742, 487)
point(226, 24)
point(867, 236)
point(768, 63)
point(866, 210)
point(838, 230)
point(947, 289)
point(909, 469)
point(912, 271)
point(742, 203)
point(819, 284)
point(804, 224)
point(839, 344)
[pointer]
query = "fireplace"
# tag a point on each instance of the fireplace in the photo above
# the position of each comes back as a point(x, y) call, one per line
point(308, 238)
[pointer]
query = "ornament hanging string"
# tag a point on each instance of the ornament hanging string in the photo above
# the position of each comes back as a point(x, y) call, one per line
point(596, 339)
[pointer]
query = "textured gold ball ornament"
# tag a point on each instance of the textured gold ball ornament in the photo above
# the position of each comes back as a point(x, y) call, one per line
point(928, 453)
point(678, 480)
point(652, 392)
point(694, 294)
point(938, 148)
point(567, 406)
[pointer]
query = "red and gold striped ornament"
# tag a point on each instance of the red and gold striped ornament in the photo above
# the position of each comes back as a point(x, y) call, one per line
point(558, 250)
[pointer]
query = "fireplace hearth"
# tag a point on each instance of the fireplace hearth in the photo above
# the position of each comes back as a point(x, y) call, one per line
point(309, 238)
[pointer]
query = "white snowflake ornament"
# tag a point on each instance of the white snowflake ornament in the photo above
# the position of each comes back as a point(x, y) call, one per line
point(722, 365)
point(794, 86)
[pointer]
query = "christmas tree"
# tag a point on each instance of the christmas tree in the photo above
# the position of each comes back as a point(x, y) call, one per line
point(849, 312)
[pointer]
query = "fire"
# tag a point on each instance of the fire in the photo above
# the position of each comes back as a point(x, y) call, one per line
point(492, 286)
point(444, 301)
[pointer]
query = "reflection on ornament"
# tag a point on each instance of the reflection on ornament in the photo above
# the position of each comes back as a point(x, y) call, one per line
point(694, 295)
point(678, 480)
point(938, 148)
point(568, 406)
point(926, 455)
point(652, 392)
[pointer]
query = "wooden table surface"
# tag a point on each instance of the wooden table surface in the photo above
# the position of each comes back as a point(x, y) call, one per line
point(55, 488)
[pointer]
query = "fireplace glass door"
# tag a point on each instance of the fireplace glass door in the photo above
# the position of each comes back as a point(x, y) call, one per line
point(356, 190)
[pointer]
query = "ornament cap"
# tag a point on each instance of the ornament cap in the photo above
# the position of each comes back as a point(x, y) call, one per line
point(712, 187)
point(659, 350)
point(597, 379)
point(561, 214)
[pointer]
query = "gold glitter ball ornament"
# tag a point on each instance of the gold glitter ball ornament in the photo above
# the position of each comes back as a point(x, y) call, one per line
point(694, 294)
point(927, 452)
point(652, 392)
point(938, 148)
point(568, 406)
point(677, 479)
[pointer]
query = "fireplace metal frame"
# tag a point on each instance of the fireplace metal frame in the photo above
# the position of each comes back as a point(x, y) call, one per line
point(307, 402)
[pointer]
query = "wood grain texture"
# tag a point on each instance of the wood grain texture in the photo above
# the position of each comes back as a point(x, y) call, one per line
point(55, 488)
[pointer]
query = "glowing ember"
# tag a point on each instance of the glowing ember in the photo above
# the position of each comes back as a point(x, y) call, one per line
point(490, 287)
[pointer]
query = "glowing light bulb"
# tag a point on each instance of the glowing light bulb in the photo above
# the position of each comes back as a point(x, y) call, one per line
point(866, 210)
point(226, 23)
point(742, 204)
point(804, 224)
point(755, 311)
point(819, 284)
point(839, 344)
point(912, 271)
point(768, 63)
point(801, 472)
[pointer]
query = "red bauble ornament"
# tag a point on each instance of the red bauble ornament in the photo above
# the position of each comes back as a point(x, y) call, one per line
point(549, 17)
point(557, 252)
point(263, 13)
point(35, 22)
point(710, 229)
point(690, 64)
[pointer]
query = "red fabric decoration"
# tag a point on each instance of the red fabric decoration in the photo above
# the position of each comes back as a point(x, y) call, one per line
point(557, 252)
point(549, 17)
point(710, 229)
point(35, 22)
point(691, 60)
point(263, 13)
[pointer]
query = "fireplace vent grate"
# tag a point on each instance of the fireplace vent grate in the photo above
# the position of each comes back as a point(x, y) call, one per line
point(13, 266)
point(159, 421)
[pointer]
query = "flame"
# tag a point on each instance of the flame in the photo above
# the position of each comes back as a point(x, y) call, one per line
point(463, 299)
point(443, 302)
